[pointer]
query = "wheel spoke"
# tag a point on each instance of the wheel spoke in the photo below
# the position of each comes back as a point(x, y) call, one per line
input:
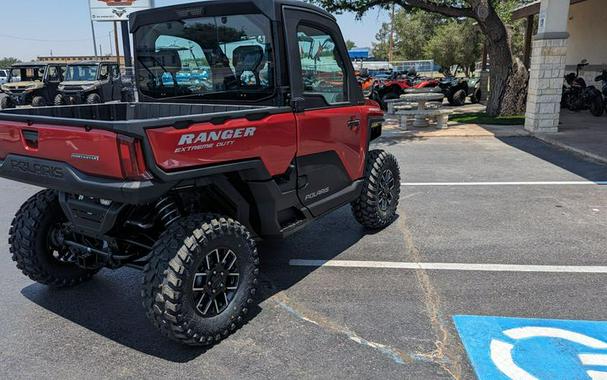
point(199, 278)
point(208, 262)
point(217, 256)
point(225, 297)
point(233, 261)
point(216, 305)
point(207, 306)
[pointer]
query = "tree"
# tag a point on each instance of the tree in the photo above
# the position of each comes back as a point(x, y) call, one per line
point(8, 62)
point(455, 43)
point(350, 44)
point(507, 75)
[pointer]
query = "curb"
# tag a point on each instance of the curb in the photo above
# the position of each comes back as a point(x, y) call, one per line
point(569, 148)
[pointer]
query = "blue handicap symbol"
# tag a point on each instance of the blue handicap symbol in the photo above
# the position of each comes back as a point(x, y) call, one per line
point(534, 349)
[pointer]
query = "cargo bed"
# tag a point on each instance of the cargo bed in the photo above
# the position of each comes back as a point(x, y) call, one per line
point(132, 118)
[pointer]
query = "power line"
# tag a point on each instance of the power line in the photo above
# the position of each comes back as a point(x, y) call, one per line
point(41, 40)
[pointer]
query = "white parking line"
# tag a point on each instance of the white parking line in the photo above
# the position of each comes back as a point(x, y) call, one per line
point(540, 183)
point(449, 266)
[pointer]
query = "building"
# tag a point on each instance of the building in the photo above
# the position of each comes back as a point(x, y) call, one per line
point(80, 58)
point(568, 31)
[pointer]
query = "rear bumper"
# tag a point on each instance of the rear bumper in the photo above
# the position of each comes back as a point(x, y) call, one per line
point(62, 177)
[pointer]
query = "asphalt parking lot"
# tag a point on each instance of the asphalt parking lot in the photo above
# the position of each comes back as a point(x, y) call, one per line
point(339, 302)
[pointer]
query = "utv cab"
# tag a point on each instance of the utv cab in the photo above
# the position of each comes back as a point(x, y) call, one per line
point(90, 83)
point(37, 85)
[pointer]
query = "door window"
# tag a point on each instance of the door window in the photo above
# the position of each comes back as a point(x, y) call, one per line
point(54, 74)
point(323, 68)
point(104, 72)
point(115, 72)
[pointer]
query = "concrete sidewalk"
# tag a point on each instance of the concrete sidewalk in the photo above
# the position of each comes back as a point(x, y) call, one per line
point(392, 130)
point(580, 133)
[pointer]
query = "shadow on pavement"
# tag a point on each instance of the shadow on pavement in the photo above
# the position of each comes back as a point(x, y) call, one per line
point(110, 304)
point(591, 171)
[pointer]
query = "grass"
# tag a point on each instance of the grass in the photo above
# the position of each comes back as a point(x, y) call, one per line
point(483, 118)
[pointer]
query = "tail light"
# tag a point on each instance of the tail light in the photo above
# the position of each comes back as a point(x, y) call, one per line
point(131, 158)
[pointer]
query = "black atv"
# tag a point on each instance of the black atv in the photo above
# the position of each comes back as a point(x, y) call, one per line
point(456, 90)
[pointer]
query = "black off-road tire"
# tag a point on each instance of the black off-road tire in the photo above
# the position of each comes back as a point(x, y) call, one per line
point(29, 243)
point(168, 294)
point(597, 108)
point(59, 100)
point(369, 209)
point(390, 95)
point(6, 102)
point(458, 99)
point(38, 101)
point(475, 98)
point(93, 99)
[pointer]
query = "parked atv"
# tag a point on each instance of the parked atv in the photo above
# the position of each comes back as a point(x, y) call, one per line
point(577, 96)
point(456, 90)
point(90, 83)
point(38, 84)
point(396, 84)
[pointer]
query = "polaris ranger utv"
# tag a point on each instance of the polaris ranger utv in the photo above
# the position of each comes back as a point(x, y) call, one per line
point(90, 83)
point(183, 184)
point(37, 85)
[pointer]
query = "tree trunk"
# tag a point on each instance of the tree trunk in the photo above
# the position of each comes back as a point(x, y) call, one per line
point(508, 77)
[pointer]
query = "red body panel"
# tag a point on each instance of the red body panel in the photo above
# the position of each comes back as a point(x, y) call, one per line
point(327, 129)
point(273, 141)
point(92, 152)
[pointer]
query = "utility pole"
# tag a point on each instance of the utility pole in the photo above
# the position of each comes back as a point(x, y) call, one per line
point(391, 48)
point(116, 42)
point(93, 31)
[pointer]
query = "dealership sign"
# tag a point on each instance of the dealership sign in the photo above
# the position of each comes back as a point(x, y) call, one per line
point(117, 10)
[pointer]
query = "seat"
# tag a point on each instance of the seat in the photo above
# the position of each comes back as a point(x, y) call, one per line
point(249, 58)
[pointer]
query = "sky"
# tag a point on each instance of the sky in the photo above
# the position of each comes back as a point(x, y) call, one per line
point(32, 28)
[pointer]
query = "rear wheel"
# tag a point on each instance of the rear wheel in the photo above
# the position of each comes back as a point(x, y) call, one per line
point(35, 243)
point(38, 101)
point(59, 100)
point(93, 99)
point(596, 106)
point(201, 279)
point(393, 94)
point(6, 102)
point(458, 99)
point(476, 96)
point(376, 206)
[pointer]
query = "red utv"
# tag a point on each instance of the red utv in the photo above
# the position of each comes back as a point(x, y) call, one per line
point(183, 184)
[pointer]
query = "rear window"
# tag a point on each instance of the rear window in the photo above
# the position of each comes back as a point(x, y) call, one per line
point(2, 74)
point(222, 58)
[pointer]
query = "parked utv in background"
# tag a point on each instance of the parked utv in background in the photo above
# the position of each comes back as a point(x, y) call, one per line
point(603, 79)
point(90, 83)
point(183, 184)
point(37, 86)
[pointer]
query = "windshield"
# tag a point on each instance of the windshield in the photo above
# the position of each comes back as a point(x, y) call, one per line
point(223, 58)
point(28, 74)
point(84, 73)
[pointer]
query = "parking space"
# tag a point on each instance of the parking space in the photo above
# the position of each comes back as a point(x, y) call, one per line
point(339, 302)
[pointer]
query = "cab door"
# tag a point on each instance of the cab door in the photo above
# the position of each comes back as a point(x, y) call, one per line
point(328, 102)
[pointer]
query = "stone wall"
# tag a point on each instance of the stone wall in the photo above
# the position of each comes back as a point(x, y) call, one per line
point(545, 85)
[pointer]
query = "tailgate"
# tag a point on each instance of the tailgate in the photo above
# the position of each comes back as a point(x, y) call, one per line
point(93, 152)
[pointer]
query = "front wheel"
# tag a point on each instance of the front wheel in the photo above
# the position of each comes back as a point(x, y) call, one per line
point(458, 99)
point(38, 101)
point(376, 206)
point(475, 98)
point(93, 99)
point(201, 279)
point(6, 102)
point(59, 100)
point(596, 106)
point(35, 243)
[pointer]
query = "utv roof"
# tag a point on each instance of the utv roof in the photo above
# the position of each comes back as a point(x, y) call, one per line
point(92, 63)
point(34, 63)
point(270, 8)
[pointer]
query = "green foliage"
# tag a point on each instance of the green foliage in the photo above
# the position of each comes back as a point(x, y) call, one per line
point(7, 62)
point(350, 44)
point(455, 43)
